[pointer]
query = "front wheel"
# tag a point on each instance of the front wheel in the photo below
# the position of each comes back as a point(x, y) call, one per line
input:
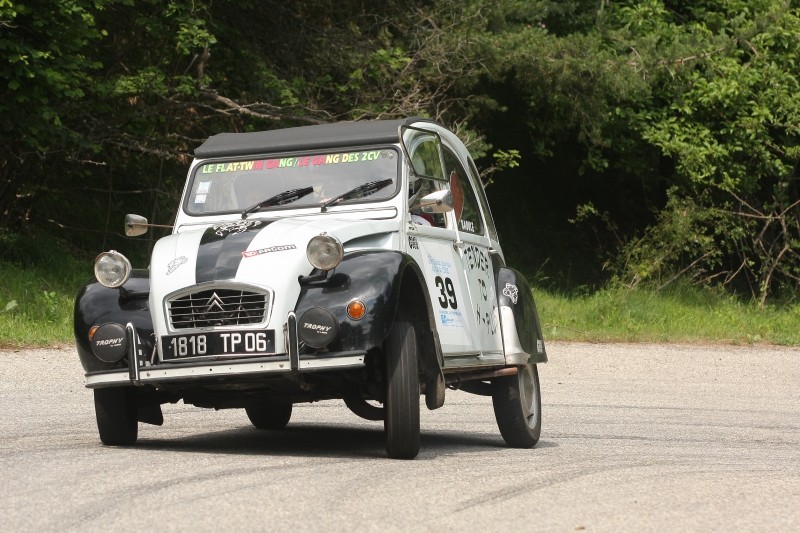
point(402, 392)
point(270, 415)
point(115, 409)
point(517, 402)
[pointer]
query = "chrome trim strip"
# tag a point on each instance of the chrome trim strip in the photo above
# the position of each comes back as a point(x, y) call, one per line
point(294, 344)
point(354, 361)
point(166, 373)
point(133, 353)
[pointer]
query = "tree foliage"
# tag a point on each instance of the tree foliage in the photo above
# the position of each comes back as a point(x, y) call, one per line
point(727, 117)
point(669, 127)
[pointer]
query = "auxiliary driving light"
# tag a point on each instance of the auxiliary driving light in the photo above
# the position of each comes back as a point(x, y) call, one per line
point(109, 342)
point(317, 327)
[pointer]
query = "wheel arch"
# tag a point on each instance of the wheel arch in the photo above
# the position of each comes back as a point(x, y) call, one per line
point(523, 342)
point(416, 304)
point(96, 305)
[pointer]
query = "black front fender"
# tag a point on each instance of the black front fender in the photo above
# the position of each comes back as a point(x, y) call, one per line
point(373, 277)
point(96, 305)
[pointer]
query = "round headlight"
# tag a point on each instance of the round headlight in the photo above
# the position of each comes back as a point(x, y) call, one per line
point(324, 252)
point(112, 269)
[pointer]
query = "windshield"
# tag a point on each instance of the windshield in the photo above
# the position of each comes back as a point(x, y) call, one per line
point(236, 185)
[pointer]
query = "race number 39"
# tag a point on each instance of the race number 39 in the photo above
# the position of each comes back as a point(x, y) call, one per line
point(447, 292)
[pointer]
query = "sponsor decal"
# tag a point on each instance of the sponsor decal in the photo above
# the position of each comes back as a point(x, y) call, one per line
point(412, 242)
point(173, 265)
point(451, 319)
point(110, 342)
point(317, 327)
point(467, 225)
point(232, 228)
point(202, 192)
point(512, 292)
point(439, 266)
point(279, 248)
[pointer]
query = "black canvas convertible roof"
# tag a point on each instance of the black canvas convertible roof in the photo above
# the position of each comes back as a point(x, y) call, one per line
point(335, 135)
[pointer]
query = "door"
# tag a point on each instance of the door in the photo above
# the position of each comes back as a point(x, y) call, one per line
point(473, 244)
point(431, 241)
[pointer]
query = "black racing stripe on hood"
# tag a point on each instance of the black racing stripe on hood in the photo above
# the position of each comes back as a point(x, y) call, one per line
point(221, 247)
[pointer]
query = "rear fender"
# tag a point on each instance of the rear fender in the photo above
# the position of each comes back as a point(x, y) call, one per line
point(519, 320)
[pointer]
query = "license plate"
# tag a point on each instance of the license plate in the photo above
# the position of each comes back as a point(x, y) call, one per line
point(215, 343)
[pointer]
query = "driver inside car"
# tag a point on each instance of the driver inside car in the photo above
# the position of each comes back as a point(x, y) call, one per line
point(418, 188)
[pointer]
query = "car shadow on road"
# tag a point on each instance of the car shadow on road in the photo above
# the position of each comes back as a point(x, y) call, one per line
point(316, 440)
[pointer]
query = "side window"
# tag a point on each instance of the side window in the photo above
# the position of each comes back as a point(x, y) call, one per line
point(426, 176)
point(469, 219)
point(487, 213)
point(424, 150)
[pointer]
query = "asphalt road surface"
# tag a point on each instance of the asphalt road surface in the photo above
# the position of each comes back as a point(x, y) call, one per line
point(634, 438)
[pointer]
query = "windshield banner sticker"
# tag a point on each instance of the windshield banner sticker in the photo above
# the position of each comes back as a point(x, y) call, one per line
point(292, 162)
point(279, 248)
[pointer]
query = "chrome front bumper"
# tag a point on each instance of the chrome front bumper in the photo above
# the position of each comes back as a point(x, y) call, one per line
point(141, 372)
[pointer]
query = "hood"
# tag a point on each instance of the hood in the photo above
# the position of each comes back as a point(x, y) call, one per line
point(267, 253)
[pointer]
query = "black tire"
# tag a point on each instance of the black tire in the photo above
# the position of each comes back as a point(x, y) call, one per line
point(115, 409)
point(402, 392)
point(517, 402)
point(270, 415)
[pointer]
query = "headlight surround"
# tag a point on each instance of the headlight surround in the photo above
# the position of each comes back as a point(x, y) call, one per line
point(112, 269)
point(324, 252)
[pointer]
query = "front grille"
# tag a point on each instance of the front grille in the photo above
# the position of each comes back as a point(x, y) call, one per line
point(217, 307)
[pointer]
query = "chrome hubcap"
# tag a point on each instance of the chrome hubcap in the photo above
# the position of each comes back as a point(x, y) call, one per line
point(527, 389)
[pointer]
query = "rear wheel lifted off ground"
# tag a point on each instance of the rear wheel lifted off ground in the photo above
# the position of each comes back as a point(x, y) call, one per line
point(270, 415)
point(517, 405)
point(115, 409)
point(402, 392)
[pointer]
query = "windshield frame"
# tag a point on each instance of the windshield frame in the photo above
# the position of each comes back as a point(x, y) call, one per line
point(196, 168)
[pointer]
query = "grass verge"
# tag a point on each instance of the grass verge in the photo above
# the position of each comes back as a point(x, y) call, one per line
point(683, 314)
point(36, 305)
point(38, 284)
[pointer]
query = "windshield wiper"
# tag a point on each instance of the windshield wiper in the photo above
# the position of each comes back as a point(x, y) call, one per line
point(362, 190)
point(286, 197)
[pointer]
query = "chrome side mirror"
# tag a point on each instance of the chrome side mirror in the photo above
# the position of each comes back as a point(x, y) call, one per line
point(135, 225)
point(437, 202)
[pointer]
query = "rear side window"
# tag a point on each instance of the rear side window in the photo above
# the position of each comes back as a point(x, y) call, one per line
point(469, 218)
